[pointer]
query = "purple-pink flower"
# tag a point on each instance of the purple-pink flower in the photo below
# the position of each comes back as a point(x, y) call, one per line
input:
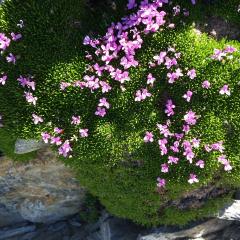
point(100, 112)
point(37, 119)
point(169, 108)
point(206, 84)
point(16, 36)
point(225, 90)
point(164, 168)
point(58, 130)
point(188, 95)
point(160, 58)
point(192, 74)
point(172, 160)
point(230, 49)
point(190, 118)
point(3, 79)
point(148, 137)
point(142, 95)
point(11, 58)
point(131, 4)
point(161, 182)
point(76, 120)
point(4, 41)
point(83, 132)
point(65, 149)
point(200, 163)
point(193, 178)
point(30, 98)
point(104, 103)
point(162, 145)
point(150, 79)
point(56, 140)
point(64, 85)
point(45, 136)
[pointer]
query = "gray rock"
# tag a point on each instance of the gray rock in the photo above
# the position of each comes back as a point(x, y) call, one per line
point(198, 231)
point(41, 191)
point(4, 234)
point(30, 145)
point(231, 212)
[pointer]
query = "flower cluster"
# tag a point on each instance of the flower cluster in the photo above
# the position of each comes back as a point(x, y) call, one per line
point(220, 55)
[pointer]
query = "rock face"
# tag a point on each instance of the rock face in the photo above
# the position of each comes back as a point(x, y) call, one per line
point(25, 146)
point(42, 191)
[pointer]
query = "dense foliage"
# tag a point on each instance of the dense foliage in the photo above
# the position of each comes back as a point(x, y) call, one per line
point(113, 143)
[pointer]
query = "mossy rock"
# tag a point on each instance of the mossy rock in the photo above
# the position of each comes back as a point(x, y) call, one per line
point(113, 162)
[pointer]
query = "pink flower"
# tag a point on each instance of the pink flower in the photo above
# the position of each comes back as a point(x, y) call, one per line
point(87, 40)
point(186, 128)
point(169, 108)
point(3, 79)
point(172, 159)
point(192, 73)
point(16, 36)
point(4, 41)
point(162, 145)
point(65, 149)
point(131, 4)
point(148, 137)
point(196, 142)
point(200, 163)
point(225, 90)
point(11, 58)
point(150, 79)
point(83, 133)
point(227, 167)
point(104, 103)
point(161, 182)
point(76, 120)
point(218, 146)
point(175, 147)
point(160, 58)
point(56, 140)
point(179, 135)
point(58, 130)
point(207, 148)
point(164, 130)
point(193, 178)
point(230, 49)
point(30, 98)
point(142, 95)
point(172, 77)
point(100, 112)
point(64, 85)
point(193, 2)
point(222, 159)
point(190, 118)
point(37, 119)
point(45, 137)
point(164, 168)
point(170, 62)
point(188, 95)
point(206, 84)
point(218, 55)
point(105, 86)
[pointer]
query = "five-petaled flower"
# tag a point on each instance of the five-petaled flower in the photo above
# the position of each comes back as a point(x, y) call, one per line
point(193, 178)
point(161, 182)
point(148, 137)
point(225, 90)
point(83, 132)
point(37, 119)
